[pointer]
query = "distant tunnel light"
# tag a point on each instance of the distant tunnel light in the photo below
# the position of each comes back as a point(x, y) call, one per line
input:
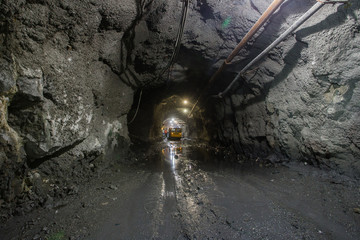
point(185, 110)
point(185, 102)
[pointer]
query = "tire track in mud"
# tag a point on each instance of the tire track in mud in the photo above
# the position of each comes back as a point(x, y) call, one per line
point(200, 218)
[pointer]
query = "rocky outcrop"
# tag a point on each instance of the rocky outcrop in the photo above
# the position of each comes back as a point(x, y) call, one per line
point(11, 157)
point(63, 102)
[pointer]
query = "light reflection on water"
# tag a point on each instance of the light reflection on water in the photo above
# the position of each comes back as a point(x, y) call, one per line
point(172, 153)
point(172, 157)
point(183, 189)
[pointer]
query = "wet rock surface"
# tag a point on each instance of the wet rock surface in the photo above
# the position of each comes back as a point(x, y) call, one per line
point(182, 190)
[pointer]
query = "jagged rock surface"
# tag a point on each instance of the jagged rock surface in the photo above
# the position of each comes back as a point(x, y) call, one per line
point(68, 70)
point(61, 88)
point(303, 99)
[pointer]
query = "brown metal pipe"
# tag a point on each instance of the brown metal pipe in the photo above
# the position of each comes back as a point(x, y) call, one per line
point(264, 17)
point(259, 23)
point(292, 28)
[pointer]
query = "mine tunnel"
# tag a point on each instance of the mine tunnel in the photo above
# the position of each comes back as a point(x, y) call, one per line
point(187, 119)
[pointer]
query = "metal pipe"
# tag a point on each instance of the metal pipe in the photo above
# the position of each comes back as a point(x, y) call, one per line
point(177, 42)
point(259, 23)
point(292, 28)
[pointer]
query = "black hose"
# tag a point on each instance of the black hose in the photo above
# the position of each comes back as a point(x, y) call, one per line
point(177, 42)
point(137, 109)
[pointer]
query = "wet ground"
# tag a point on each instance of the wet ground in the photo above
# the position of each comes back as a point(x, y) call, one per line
point(187, 191)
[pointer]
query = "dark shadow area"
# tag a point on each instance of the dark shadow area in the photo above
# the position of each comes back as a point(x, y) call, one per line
point(205, 10)
point(34, 163)
point(334, 20)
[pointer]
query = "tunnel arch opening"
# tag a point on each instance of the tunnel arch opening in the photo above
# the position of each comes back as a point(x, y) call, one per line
point(159, 106)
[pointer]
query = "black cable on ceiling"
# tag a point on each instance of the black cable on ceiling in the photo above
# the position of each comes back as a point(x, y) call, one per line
point(177, 42)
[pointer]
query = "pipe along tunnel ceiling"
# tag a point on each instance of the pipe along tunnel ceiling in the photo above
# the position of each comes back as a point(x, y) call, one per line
point(77, 80)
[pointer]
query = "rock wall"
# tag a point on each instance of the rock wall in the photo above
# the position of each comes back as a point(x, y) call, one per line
point(68, 70)
point(303, 99)
point(63, 102)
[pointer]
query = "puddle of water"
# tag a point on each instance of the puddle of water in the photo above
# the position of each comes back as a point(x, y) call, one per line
point(174, 156)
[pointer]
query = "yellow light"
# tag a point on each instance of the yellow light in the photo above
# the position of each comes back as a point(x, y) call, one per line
point(185, 110)
point(185, 102)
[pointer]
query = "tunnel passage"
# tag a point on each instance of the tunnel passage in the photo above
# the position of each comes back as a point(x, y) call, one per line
point(72, 75)
point(158, 108)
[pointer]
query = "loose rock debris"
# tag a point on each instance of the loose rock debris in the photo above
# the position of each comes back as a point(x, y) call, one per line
point(197, 196)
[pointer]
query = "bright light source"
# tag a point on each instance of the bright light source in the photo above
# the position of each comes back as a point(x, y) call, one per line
point(185, 110)
point(172, 119)
point(186, 102)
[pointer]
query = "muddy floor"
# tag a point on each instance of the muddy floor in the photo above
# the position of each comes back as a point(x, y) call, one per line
point(186, 191)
